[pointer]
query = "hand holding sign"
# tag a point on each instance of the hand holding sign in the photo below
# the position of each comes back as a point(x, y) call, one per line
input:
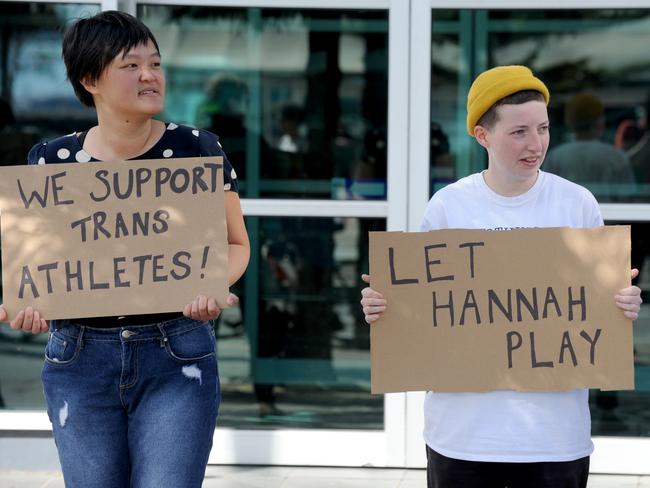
point(205, 308)
point(629, 299)
point(372, 301)
point(28, 320)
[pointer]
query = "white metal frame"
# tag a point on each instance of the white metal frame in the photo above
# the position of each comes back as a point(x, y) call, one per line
point(616, 455)
point(288, 4)
point(400, 443)
point(531, 5)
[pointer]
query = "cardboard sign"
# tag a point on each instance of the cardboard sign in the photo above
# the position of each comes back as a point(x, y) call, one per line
point(120, 238)
point(522, 309)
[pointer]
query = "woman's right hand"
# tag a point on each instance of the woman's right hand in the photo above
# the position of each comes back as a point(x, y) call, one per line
point(27, 320)
point(372, 301)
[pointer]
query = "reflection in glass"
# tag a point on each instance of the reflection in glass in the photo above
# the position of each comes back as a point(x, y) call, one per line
point(296, 351)
point(585, 158)
point(298, 97)
point(36, 101)
point(594, 65)
point(451, 153)
point(626, 413)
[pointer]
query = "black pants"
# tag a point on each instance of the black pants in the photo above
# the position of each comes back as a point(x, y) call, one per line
point(444, 472)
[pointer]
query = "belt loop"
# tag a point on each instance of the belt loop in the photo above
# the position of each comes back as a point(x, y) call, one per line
point(163, 332)
point(80, 338)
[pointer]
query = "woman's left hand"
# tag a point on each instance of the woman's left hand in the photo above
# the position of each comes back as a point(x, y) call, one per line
point(206, 308)
point(629, 299)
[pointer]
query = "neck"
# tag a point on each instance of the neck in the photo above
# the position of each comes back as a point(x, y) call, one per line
point(505, 188)
point(120, 138)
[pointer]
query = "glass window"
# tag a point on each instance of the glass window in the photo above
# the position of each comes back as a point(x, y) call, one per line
point(626, 413)
point(36, 100)
point(594, 63)
point(297, 97)
point(451, 152)
point(295, 353)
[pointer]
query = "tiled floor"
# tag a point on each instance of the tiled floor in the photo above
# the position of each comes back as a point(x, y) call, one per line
point(301, 477)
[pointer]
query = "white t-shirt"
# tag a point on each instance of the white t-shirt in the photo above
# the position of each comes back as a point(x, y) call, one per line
point(506, 425)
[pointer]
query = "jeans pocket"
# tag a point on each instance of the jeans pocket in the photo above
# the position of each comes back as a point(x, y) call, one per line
point(60, 349)
point(192, 345)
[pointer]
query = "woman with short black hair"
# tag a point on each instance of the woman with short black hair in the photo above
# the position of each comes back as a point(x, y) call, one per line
point(133, 400)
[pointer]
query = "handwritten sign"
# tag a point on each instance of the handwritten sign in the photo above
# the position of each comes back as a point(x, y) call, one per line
point(523, 309)
point(97, 239)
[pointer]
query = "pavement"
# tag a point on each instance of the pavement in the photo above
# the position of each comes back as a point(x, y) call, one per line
point(302, 477)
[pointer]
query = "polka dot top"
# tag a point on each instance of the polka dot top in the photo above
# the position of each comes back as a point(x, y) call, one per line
point(178, 141)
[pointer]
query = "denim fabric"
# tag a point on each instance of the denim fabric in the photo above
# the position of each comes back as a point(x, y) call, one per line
point(133, 406)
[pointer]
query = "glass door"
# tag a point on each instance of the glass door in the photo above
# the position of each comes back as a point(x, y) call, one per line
point(598, 95)
point(304, 98)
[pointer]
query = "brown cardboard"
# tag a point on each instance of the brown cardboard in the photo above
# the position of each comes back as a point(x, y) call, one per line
point(185, 241)
point(410, 353)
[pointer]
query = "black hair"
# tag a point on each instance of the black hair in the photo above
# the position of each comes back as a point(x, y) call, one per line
point(91, 44)
point(491, 117)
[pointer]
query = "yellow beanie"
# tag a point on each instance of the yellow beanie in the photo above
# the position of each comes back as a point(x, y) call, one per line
point(494, 84)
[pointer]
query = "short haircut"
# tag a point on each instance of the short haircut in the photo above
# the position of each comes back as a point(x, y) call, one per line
point(491, 117)
point(91, 44)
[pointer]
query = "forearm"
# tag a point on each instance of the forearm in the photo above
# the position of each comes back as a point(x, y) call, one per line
point(238, 256)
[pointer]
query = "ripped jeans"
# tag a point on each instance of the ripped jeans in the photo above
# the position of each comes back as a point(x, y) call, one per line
point(133, 406)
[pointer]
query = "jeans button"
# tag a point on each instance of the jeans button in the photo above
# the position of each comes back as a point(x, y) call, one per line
point(127, 334)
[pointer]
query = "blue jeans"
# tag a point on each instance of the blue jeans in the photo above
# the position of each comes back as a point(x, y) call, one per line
point(133, 406)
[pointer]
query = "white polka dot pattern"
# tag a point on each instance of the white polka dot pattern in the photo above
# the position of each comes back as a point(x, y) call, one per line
point(168, 153)
point(195, 132)
point(233, 175)
point(226, 187)
point(82, 156)
point(219, 144)
point(172, 126)
point(41, 160)
point(63, 153)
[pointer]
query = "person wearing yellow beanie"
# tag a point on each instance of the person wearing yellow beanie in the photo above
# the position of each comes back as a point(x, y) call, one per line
point(508, 438)
point(495, 85)
point(499, 100)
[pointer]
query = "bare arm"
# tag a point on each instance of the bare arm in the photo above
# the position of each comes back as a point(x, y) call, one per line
point(238, 243)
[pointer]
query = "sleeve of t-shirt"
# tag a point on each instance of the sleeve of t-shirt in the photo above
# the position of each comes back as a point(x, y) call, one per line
point(209, 145)
point(434, 216)
point(591, 211)
point(36, 154)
